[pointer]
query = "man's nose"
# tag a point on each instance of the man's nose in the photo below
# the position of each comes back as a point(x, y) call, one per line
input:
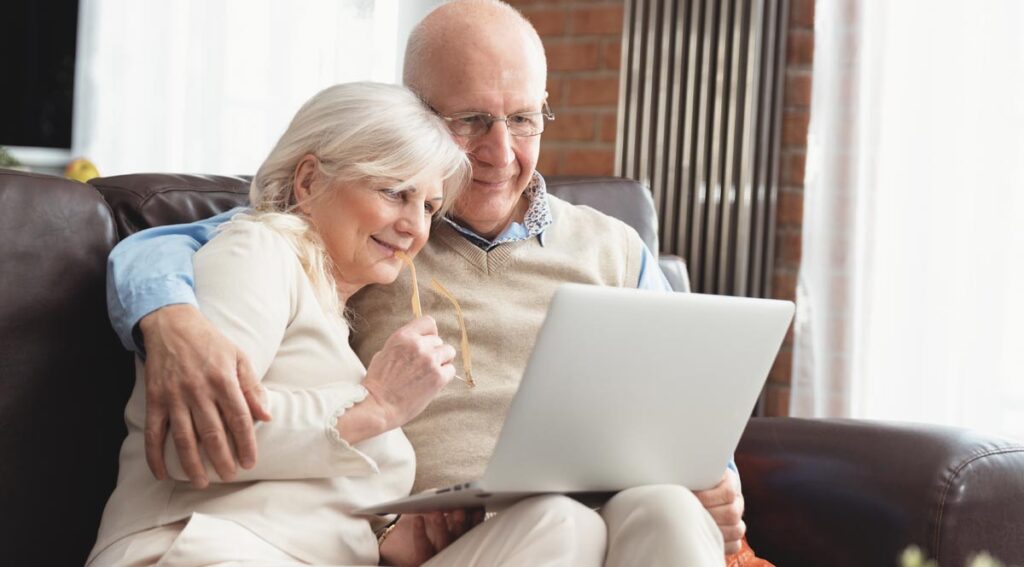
point(494, 148)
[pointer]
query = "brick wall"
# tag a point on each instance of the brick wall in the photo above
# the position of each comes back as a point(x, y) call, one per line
point(796, 114)
point(582, 39)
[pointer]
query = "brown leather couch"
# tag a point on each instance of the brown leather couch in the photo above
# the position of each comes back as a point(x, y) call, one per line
point(819, 492)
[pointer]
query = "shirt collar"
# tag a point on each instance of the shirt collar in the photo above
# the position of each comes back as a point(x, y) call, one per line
point(536, 221)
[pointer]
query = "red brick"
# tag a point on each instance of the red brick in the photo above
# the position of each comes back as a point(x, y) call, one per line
point(782, 369)
point(611, 55)
point(791, 207)
point(794, 165)
point(597, 20)
point(588, 162)
point(528, 3)
point(776, 401)
point(801, 14)
point(547, 163)
point(784, 284)
point(794, 127)
point(788, 248)
point(599, 91)
point(572, 126)
point(798, 89)
point(576, 55)
point(609, 124)
point(556, 93)
point(800, 47)
point(547, 21)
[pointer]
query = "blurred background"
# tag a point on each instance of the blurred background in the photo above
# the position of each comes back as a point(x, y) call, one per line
point(184, 85)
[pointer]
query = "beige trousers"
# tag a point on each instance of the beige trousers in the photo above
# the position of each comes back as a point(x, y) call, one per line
point(647, 526)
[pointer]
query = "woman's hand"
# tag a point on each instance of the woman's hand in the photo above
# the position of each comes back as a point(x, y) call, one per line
point(416, 538)
point(402, 379)
point(409, 371)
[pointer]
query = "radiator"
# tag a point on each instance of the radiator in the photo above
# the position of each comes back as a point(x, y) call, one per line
point(700, 106)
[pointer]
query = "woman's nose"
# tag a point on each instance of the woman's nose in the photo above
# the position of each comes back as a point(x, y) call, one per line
point(413, 220)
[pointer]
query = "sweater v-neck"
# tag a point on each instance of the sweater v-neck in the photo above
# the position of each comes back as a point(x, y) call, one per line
point(487, 261)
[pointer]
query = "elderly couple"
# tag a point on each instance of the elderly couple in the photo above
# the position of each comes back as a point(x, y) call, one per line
point(363, 172)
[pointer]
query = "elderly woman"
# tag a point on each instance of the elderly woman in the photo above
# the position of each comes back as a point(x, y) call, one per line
point(356, 178)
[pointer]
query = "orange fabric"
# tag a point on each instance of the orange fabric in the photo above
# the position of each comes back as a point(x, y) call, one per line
point(745, 558)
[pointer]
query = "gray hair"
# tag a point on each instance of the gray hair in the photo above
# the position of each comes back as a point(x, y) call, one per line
point(357, 131)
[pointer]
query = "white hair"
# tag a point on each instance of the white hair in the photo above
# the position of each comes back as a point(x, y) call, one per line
point(357, 131)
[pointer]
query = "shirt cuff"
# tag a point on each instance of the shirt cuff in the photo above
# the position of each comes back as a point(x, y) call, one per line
point(145, 299)
point(651, 277)
point(345, 451)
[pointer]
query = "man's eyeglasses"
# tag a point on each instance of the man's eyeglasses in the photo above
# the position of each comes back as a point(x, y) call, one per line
point(471, 124)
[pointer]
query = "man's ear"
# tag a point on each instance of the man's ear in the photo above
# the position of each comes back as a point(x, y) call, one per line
point(305, 179)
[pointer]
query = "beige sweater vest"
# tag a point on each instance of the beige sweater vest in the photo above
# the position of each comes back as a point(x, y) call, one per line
point(504, 296)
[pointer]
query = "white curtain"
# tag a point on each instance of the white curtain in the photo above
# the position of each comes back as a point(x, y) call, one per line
point(209, 85)
point(911, 290)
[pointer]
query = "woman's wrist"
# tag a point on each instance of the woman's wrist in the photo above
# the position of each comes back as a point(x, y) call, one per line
point(362, 421)
point(386, 530)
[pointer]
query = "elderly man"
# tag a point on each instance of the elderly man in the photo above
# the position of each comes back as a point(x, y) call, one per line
point(507, 245)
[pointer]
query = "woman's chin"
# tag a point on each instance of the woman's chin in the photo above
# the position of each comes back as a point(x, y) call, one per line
point(387, 276)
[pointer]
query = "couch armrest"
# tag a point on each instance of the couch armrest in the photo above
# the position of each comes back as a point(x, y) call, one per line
point(850, 492)
point(674, 269)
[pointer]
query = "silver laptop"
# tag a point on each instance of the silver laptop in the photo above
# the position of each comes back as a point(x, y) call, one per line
point(625, 388)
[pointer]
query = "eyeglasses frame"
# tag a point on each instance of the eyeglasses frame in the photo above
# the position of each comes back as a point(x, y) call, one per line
point(544, 112)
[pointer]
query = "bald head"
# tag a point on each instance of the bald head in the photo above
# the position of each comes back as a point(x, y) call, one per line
point(470, 36)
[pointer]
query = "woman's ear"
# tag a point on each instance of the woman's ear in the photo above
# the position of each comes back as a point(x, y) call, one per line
point(304, 181)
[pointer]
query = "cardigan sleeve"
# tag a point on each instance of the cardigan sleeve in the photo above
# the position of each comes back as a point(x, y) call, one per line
point(247, 281)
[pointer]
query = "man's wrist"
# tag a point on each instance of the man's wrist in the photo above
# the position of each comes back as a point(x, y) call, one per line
point(152, 320)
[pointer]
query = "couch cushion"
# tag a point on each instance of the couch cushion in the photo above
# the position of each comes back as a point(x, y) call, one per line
point(64, 378)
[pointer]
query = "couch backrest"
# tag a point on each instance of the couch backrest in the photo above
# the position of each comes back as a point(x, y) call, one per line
point(144, 200)
point(140, 201)
point(63, 374)
point(625, 199)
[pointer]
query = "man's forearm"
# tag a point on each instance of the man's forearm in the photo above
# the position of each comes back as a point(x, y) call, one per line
point(152, 269)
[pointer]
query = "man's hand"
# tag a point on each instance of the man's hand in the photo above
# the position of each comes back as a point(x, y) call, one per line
point(725, 504)
point(416, 538)
point(199, 381)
